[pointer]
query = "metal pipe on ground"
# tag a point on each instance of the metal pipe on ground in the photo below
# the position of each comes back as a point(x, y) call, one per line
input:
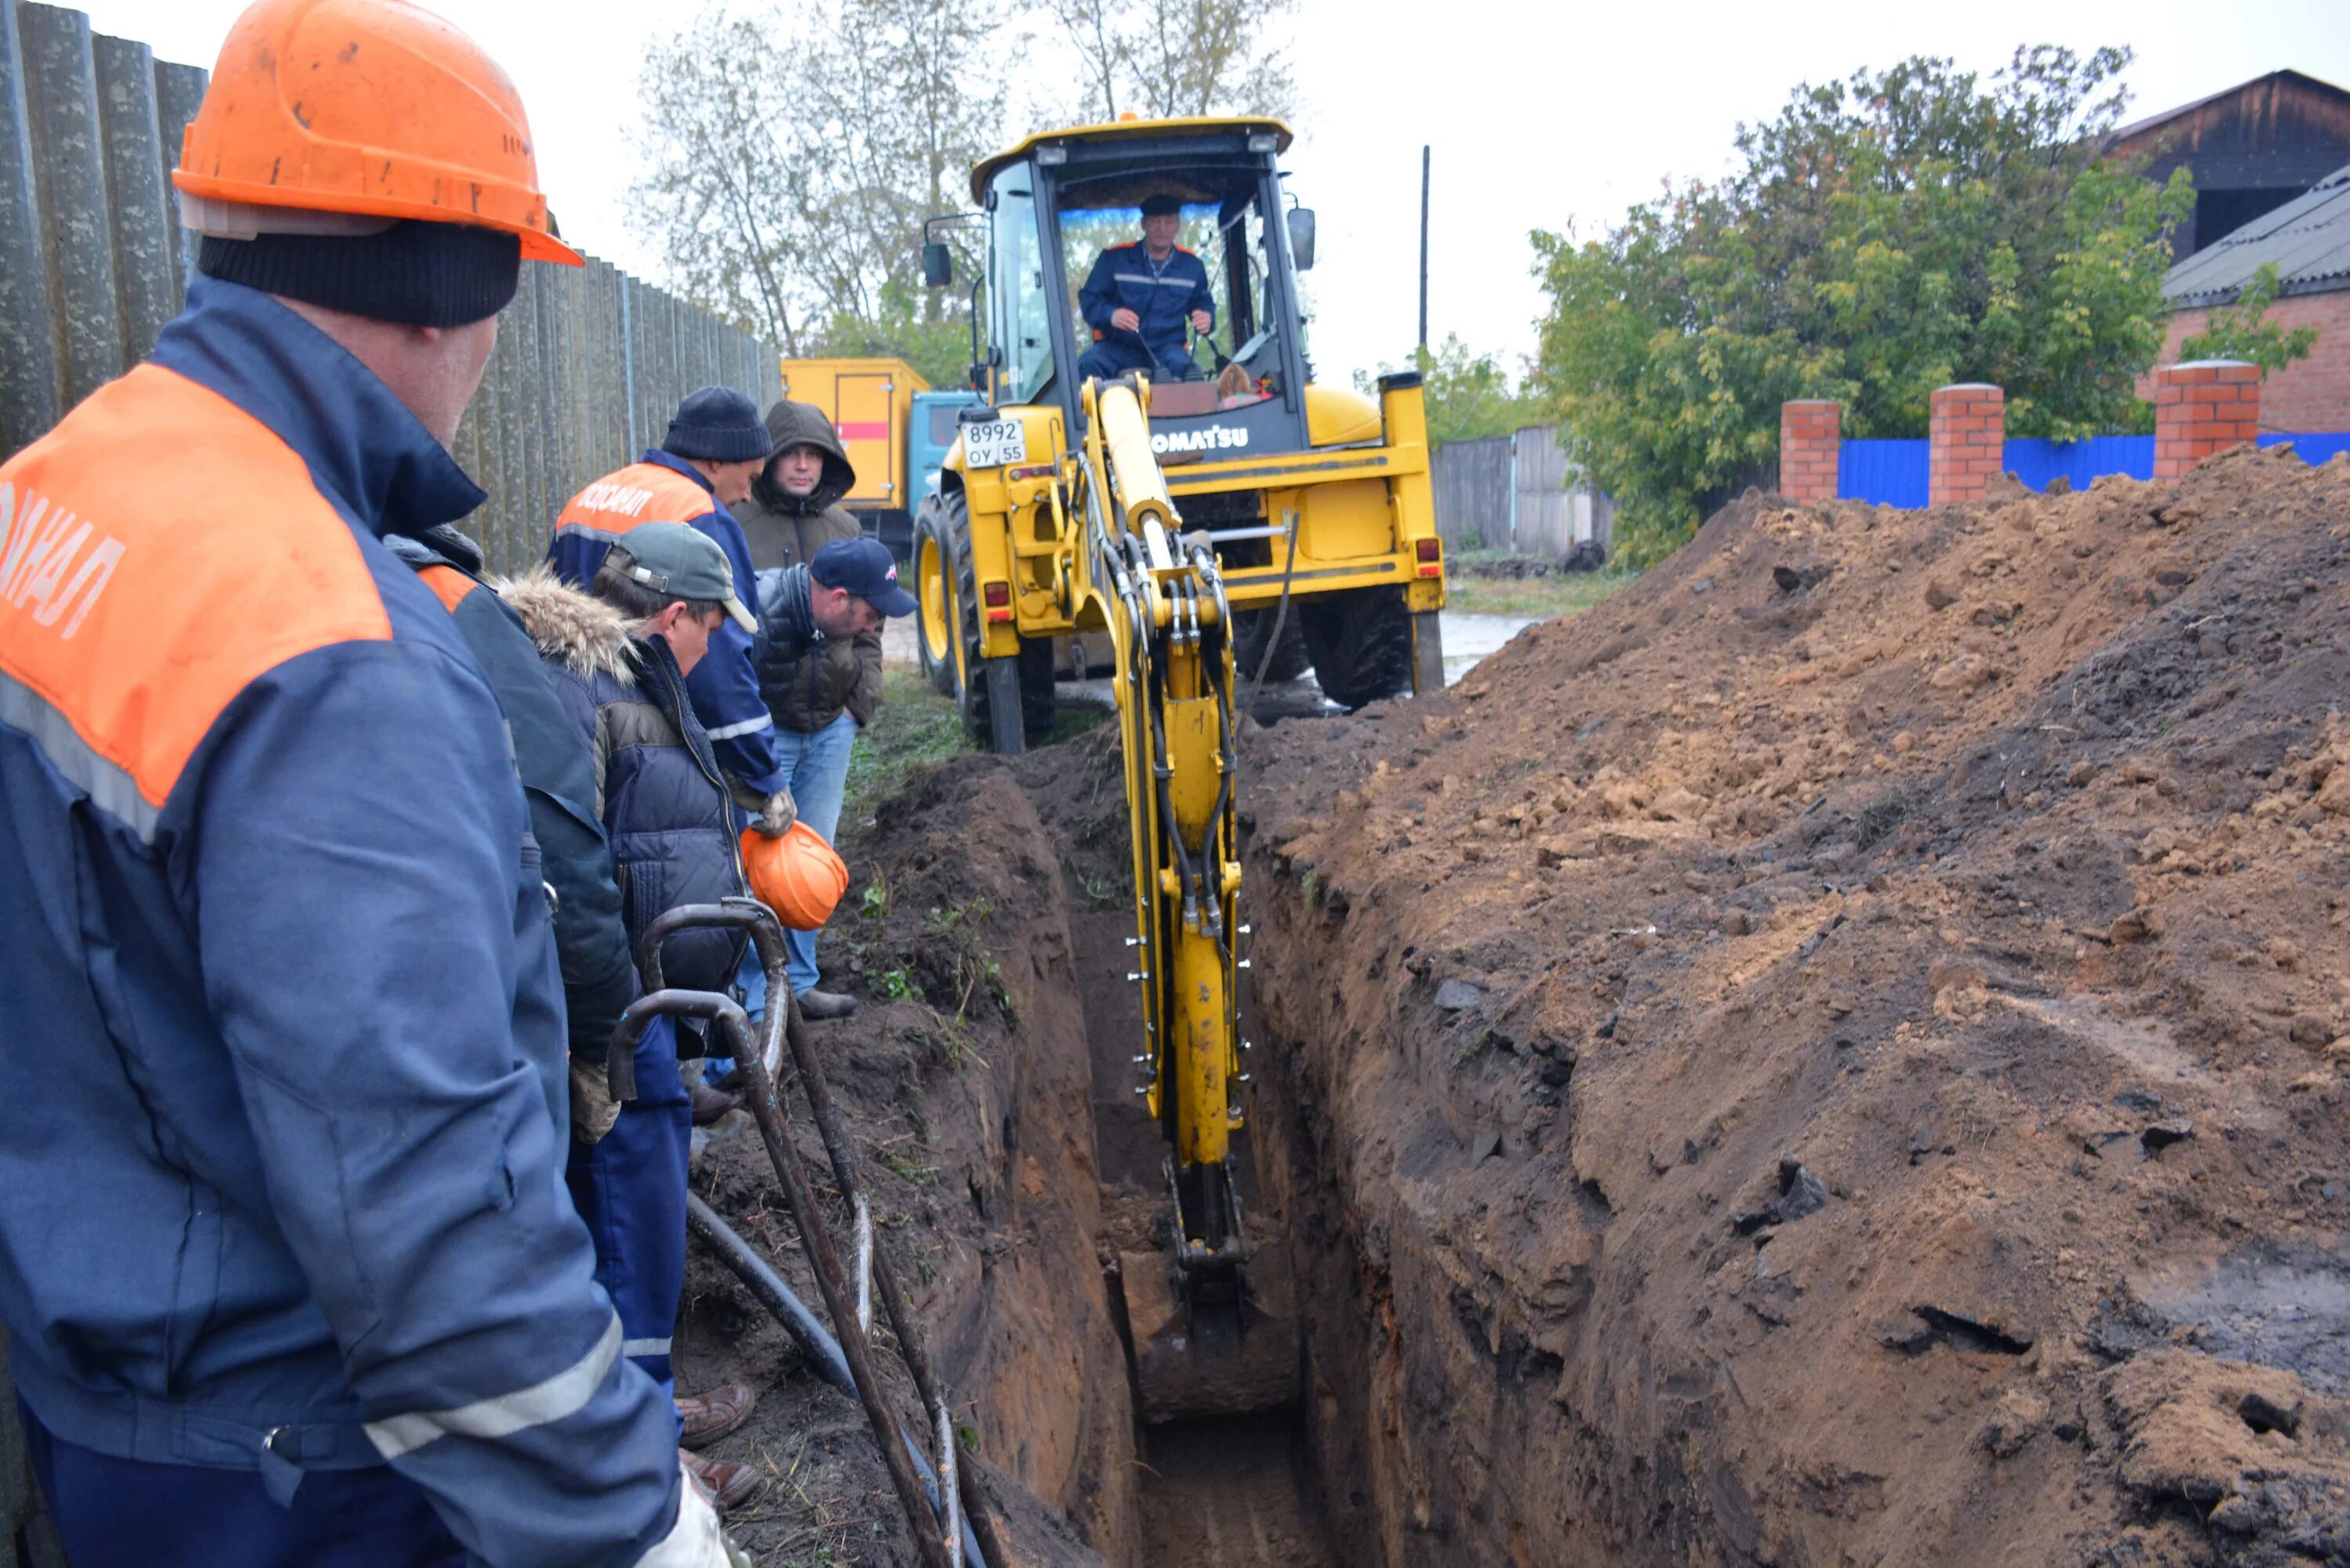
point(767, 1110)
point(768, 935)
point(807, 1331)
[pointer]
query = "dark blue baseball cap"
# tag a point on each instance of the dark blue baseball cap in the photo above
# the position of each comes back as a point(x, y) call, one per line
point(865, 567)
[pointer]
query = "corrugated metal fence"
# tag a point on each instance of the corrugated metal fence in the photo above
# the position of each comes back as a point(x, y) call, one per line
point(1517, 493)
point(589, 363)
point(1893, 472)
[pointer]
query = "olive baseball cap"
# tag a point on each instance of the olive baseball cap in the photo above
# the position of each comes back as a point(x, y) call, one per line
point(684, 564)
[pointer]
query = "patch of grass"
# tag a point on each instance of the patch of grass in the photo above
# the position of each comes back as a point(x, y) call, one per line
point(914, 725)
point(1073, 717)
point(909, 1167)
point(1569, 593)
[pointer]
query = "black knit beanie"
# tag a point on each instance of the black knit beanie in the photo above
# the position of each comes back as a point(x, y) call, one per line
point(718, 424)
point(415, 273)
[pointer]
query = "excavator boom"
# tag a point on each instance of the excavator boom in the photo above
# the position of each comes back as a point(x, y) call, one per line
point(1201, 1340)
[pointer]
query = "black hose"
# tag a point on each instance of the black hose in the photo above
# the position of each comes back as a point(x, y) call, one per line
point(807, 1331)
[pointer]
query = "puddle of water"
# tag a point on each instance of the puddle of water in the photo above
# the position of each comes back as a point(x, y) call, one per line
point(1468, 639)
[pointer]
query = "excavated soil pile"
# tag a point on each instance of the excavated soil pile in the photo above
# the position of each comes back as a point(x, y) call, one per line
point(965, 1078)
point(1832, 1057)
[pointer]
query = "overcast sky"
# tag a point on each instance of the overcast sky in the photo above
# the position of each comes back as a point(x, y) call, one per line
point(1540, 115)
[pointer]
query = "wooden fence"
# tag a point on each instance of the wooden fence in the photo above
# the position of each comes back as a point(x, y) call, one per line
point(1517, 493)
point(93, 262)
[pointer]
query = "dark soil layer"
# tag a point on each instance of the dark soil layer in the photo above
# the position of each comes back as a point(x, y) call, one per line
point(965, 1076)
point(1833, 1056)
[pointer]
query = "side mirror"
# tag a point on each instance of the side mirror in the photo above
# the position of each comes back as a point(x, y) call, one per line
point(938, 265)
point(1301, 238)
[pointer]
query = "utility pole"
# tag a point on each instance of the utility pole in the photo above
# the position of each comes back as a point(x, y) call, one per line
point(1423, 247)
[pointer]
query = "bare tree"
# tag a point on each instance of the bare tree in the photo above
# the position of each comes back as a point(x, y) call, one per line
point(1162, 59)
point(788, 168)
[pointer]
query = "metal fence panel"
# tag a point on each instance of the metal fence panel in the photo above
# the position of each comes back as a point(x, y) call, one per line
point(146, 277)
point(1888, 473)
point(30, 396)
point(1519, 492)
point(60, 85)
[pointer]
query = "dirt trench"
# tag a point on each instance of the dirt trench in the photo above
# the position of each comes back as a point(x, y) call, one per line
point(986, 1075)
point(1835, 1057)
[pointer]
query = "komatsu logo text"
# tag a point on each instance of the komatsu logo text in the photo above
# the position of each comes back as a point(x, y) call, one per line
point(1214, 438)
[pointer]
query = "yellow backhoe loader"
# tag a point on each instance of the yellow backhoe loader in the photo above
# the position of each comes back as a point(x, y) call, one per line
point(1190, 524)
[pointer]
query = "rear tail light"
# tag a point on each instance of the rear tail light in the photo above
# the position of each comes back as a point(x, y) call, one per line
point(1432, 557)
point(998, 599)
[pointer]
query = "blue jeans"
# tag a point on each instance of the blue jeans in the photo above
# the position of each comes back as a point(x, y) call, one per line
point(131, 1513)
point(815, 762)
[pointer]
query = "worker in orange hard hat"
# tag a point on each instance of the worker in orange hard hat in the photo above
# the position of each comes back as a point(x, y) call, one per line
point(286, 1263)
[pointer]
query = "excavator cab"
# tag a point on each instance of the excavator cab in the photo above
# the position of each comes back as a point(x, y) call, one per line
point(1314, 499)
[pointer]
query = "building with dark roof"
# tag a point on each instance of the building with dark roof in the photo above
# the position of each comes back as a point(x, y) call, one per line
point(2249, 149)
point(2307, 240)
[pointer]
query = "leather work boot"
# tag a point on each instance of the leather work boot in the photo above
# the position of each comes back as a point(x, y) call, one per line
point(816, 1006)
point(726, 1485)
point(709, 1104)
point(709, 1417)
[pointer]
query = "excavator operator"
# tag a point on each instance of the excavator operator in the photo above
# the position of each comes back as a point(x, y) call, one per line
point(1139, 297)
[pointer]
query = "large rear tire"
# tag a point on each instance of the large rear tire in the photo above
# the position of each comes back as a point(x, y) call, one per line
point(1360, 640)
point(1250, 629)
point(935, 632)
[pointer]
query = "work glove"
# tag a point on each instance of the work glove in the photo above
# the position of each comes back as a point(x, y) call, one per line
point(772, 816)
point(593, 1108)
point(695, 1540)
point(775, 818)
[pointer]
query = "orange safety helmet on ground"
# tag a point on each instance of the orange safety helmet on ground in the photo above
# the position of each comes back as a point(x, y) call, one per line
point(369, 109)
point(797, 876)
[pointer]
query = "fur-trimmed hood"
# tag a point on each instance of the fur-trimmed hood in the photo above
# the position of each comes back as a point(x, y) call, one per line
point(582, 632)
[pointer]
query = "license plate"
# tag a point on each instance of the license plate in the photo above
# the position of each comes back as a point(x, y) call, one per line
point(994, 444)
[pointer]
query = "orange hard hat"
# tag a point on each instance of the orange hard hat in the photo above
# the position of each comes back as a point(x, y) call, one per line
point(797, 876)
point(374, 108)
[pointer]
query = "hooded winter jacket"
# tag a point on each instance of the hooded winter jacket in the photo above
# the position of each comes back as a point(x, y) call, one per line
point(658, 788)
point(600, 977)
point(279, 1009)
point(806, 690)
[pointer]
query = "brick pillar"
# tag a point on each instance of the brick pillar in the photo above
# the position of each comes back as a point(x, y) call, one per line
point(1811, 438)
point(2203, 406)
point(1969, 437)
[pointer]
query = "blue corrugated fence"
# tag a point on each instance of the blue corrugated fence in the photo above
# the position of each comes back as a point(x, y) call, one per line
point(1893, 472)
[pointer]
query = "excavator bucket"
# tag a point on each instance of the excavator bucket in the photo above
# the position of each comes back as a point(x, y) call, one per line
point(1215, 1352)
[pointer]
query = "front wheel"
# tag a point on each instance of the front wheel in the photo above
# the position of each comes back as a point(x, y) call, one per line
point(935, 529)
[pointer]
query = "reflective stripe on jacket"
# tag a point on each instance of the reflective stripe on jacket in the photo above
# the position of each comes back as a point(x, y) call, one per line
point(725, 686)
point(279, 1006)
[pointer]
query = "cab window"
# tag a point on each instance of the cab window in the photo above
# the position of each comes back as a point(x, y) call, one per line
point(1024, 323)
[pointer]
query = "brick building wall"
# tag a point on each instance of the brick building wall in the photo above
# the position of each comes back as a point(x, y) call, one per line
point(2310, 395)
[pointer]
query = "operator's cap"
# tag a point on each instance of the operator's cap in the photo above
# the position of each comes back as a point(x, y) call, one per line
point(1162, 206)
point(864, 566)
point(673, 559)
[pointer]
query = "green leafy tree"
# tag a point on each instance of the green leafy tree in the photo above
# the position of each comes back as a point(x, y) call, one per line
point(1467, 395)
point(1882, 237)
point(2243, 331)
